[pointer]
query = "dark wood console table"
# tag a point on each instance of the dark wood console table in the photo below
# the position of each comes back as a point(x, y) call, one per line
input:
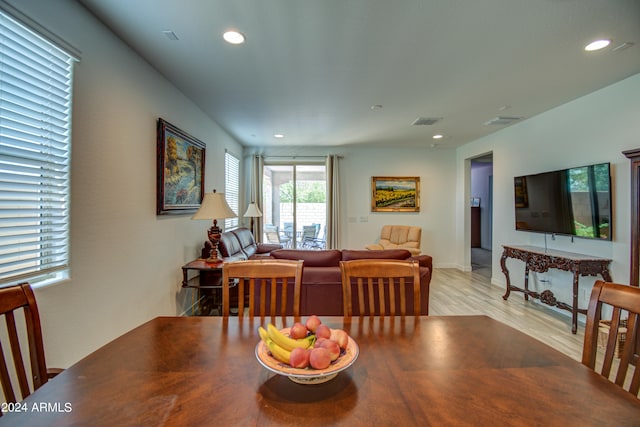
point(540, 260)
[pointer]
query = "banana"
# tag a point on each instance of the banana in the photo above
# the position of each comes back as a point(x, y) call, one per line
point(286, 342)
point(278, 352)
point(264, 335)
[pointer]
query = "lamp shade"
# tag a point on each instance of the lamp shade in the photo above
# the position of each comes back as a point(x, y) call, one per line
point(214, 206)
point(253, 211)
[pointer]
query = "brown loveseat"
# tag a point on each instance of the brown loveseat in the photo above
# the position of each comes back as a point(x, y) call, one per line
point(239, 244)
point(321, 291)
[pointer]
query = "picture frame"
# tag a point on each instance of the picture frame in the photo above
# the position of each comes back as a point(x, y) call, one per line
point(395, 194)
point(520, 192)
point(180, 170)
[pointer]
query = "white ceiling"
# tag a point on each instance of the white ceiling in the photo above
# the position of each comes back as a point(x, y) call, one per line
point(312, 69)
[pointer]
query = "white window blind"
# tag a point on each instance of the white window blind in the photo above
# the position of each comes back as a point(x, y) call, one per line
point(35, 152)
point(231, 186)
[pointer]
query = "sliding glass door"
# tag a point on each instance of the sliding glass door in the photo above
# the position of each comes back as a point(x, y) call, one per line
point(294, 205)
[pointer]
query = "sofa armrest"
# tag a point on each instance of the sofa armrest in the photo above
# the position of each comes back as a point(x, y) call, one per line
point(265, 248)
point(424, 261)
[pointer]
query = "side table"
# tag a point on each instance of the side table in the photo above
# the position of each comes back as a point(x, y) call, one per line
point(207, 285)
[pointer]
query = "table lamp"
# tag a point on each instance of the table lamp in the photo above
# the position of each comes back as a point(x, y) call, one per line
point(214, 206)
point(252, 212)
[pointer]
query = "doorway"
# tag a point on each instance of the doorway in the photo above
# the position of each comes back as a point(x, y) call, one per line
point(295, 205)
point(482, 214)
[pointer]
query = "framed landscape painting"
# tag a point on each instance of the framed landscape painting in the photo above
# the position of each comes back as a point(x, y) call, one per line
point(180, 175)
point(395, 194)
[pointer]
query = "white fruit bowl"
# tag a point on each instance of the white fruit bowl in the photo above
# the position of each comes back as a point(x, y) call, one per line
point(308, 375)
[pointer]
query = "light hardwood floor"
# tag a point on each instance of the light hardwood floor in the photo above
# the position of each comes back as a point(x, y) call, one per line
point(453, 292)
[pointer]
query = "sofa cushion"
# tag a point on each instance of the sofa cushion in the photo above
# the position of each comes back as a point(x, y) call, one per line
point(401, 235)
point(350, 254)
point(229, 246)
point(321, 275)
point(247, 242)
point(325, 258)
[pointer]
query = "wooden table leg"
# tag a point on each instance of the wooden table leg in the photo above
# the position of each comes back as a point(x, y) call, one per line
point(505, 271)
point(526, 281)
point(574, 306)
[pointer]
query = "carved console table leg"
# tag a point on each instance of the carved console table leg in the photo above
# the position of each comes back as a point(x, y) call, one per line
point(503, 266)
point(526, 281)
point(574, 306)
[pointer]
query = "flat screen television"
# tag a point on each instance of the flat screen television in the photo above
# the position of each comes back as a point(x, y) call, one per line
point(574, 202)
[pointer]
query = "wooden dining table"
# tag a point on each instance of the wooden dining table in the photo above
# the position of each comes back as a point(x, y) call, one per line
point(422, 371)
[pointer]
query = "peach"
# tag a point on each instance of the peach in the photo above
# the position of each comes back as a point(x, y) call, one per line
point(299, 358)
point(312, 322)
point(340, 336)
point(323, 331)
point(319, 358)
point(332, 347)
point(319, 341)
point(298, 330)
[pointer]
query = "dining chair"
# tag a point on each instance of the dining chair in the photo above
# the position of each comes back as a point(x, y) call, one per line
point(264, 278)
point(13, 300)
point(394, 280)
point(619, 299)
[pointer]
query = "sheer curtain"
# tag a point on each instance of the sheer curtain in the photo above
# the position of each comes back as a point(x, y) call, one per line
point(257, 165)
point(333, 202)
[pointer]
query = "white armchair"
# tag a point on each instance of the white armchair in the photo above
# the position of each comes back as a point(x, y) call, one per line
point(399, 237)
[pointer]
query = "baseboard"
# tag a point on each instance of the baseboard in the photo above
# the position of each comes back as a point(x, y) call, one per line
point(451, 265)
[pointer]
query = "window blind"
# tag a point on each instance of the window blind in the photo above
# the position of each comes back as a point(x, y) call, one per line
point(231, 186)
point(35, 122)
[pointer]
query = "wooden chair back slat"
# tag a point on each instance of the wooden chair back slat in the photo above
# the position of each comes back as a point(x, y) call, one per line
point(386, 286)
point(622, 299)
point(15, 299)
point(271, 275)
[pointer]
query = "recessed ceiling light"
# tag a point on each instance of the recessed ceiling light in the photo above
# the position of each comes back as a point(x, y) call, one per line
point(278, 135)
point(437, 136)
point(597, 45)
point(233, 37)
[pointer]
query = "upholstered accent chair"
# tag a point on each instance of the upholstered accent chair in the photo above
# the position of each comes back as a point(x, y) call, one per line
point(399, 237)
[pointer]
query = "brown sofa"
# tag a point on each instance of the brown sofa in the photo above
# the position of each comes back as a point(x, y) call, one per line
point(239, 244)
point(321, 292)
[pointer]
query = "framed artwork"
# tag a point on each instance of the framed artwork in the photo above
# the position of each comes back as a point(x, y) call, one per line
point(180, 171)
point(395, 194)
point(520, 189)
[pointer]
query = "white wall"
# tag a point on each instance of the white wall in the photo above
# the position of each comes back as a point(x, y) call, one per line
point(593, 129)
point(436, 169)
point(125, 260)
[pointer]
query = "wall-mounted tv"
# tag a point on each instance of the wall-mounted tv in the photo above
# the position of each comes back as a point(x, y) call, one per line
point(573, 202)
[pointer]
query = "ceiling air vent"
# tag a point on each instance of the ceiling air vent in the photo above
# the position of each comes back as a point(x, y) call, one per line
point(426, 121)
point(502, 120)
